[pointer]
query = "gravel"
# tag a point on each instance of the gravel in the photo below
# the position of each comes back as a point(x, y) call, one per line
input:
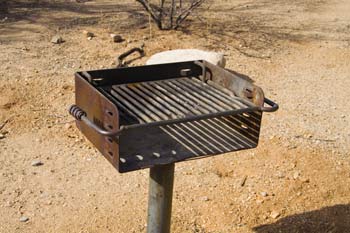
point(36, 163)
point(23, 219)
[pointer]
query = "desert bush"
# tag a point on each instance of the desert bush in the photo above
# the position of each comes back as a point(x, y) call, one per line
point(169, 14)
point(3, 6)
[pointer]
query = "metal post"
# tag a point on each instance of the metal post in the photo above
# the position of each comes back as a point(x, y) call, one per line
point(160, 198)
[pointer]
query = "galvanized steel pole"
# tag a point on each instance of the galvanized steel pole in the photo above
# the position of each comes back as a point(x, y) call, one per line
point(160, 198)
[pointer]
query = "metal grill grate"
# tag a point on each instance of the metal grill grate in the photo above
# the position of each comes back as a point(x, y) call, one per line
point(172, 99)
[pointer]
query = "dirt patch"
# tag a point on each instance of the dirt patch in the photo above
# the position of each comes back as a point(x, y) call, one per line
point(297, 180)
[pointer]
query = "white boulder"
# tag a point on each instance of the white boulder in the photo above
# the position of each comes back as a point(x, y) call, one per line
point(180, 55)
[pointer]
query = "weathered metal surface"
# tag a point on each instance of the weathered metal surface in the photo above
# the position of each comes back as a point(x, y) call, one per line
point(102, 112)
point(239, 86)
point(160, 198)
point(121, 58)
point(160, 117)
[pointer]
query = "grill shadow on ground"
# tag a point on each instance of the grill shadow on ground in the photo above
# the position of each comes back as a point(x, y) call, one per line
point(335, 219)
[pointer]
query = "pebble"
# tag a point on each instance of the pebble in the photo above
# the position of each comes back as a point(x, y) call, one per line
point(274, 214)
point(264, 194)
point(23, 219)
point(305, 180)
point(259, 201)
point(117, 38)
point(296, 175)
point(67, 126)
point(280, 175)
point(57, 39)
point(243, 181)
point(2, 136)
point(88, 34)
point(36, 163)
point(205, 198)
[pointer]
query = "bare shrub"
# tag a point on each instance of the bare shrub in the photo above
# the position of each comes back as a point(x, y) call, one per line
point(3, 7)
point(169, 14)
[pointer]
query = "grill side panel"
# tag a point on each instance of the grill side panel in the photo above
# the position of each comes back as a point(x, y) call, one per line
point(103, 113)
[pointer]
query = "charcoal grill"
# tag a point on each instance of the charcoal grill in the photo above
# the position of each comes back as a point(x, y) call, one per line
point(154, 116)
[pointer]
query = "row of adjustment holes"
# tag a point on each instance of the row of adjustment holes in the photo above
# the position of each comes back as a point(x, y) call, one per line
point(140, 157)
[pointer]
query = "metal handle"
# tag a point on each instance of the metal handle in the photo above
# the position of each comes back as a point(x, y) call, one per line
point(273, 106)
point(80, 115)
point(122, 63)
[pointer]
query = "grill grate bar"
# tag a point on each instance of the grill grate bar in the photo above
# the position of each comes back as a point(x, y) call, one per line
point(128, 110)
point(155, 113)
point(225, 97)
point(179, 99)
point(190, 96)
point(221, 106)
point(161, 105)
point(214, 107)
point(167, 101)
point(131, 107)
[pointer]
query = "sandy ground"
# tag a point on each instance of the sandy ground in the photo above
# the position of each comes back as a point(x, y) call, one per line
point(297, 51)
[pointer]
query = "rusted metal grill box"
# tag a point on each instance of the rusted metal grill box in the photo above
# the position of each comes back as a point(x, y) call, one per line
point(139, 117)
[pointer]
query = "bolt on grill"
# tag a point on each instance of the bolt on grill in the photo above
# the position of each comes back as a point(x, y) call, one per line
point(154, 116)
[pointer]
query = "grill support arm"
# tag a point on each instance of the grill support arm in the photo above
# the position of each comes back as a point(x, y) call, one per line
point(161, 180)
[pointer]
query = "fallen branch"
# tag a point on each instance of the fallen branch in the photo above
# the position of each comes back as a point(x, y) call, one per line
point(5, 122)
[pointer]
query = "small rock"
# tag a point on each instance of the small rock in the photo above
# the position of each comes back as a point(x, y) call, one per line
point(264, 194)
point(23, 219)
point(2, 136)
point(259, 201)
point(274, 214)
point(88, 34)
point(296, 175)
point(67, 126)
point(117, 38)
point(36, 163)
point(308, 136)
point(205, 198)
point(244, 179)
point(305, 180)
point(57, 39)
point(280, 175)
point(89, 38)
